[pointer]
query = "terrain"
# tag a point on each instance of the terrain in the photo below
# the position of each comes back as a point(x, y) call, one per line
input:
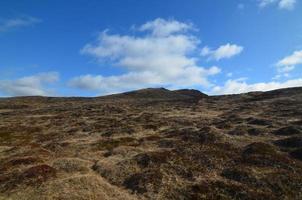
point(152, 144)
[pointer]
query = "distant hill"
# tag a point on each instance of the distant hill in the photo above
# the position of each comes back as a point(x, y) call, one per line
point(191, 93)
point(160, 93)
point(163, 93)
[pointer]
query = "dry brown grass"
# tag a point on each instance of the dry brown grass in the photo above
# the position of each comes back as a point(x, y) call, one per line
point(160, 146)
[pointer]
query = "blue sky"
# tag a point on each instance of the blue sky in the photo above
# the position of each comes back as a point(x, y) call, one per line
point(91, 48)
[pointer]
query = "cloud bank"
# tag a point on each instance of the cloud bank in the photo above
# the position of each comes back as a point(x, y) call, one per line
point(162, 54)
point(29, 85)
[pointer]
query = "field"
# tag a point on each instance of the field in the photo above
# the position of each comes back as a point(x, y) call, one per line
point(152, 144)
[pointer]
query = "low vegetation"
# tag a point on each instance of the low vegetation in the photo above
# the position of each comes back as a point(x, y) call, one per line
point(152, 144)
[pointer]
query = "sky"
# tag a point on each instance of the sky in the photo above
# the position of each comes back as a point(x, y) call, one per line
point(99, 47)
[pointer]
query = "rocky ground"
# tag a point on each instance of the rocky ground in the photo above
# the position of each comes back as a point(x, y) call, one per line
point(152, 144)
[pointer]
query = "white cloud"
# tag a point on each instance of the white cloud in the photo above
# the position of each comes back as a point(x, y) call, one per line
point(289, 63)
point(240, 86)
point(205, 51)
point(264, 3)
point(161, 55)
point(224, 51)
point(29, 85)
point(8, 24)
point(282, 4)
point(137, 80)
point(291, 60)
point(287, 4)
point(161, 27)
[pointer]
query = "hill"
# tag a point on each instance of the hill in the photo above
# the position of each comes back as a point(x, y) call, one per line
point(159, 94)
point(152, 144)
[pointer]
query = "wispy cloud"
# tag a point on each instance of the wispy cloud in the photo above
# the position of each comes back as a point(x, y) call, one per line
point(29, 85)
point(160, 55)
point(13, 23)
point(289, 63)
point(264, 3)
point(222, 52)
point(282, 4)
point(287, 4)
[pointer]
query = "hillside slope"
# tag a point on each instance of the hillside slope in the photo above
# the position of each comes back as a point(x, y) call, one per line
point(153, 144)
